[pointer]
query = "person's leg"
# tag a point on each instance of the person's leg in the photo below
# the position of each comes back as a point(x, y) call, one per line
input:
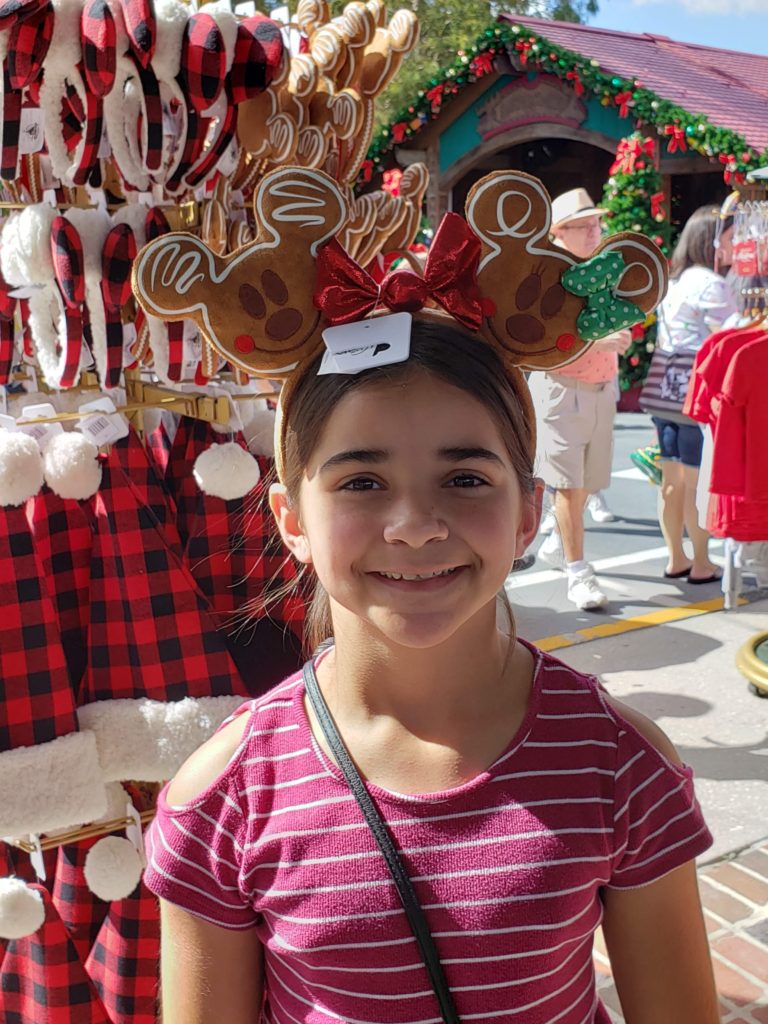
point(690, 443)
point(569, 512)
point(671, 515)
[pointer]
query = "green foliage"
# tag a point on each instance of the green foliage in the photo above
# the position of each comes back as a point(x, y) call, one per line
point(634, 201)
point(446, 26)
point(681, 130)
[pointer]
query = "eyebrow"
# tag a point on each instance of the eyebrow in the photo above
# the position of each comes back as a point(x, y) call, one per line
point(379, 455)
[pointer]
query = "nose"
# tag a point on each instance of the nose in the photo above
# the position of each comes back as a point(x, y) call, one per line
point(415, 523)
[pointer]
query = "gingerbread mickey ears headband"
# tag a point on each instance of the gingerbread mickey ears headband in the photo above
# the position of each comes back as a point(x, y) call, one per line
point(264, 307)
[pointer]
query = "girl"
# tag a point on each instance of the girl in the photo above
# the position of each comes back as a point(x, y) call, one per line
point(698, 302)
point(528, 807)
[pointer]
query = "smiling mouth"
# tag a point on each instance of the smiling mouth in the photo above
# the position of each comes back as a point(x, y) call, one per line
point(418, 577)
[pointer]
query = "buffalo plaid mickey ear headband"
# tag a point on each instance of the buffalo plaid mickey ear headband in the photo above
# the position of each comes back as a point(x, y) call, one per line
point(69, 271)
point(265, 308)
point(26, 30)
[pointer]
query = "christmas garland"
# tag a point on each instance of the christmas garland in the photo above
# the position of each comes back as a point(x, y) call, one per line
point(681, 129)
point(634, 201)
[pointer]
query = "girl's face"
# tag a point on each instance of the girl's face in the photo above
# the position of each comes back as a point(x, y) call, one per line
point(410, 510)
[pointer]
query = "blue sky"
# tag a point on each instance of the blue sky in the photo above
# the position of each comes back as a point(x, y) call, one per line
point(730, 24)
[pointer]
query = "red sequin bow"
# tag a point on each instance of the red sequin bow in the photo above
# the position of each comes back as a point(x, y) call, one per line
point(345, 292)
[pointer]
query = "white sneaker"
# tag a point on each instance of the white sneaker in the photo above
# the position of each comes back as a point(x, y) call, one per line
point(548, 522)
point(584, 590)
point(598, 509)
point(551, 551)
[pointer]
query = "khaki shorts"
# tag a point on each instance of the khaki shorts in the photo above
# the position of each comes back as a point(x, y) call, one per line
point(575, 431)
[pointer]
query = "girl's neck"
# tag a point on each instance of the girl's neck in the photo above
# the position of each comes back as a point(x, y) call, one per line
point(468, 675)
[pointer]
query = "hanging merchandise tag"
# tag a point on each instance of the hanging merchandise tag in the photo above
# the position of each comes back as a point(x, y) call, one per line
point(36, 859)
point(26, 291)
point(129, 342)
point(133, 831)
point(192, 350)
point(31, 374)
point(43, 433)
point(105, 150)
point(104, 426)
point(366, 344)
point(49, 196)
point(230, 158)
point(30, 130)
point(7, 422)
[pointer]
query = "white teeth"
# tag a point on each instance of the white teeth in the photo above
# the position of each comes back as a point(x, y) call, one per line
point(407, 576)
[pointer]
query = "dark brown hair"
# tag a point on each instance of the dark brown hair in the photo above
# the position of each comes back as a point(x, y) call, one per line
point(696, 244)
point(448, 352)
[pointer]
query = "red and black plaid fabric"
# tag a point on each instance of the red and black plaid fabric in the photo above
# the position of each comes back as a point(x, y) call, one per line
point(151, 632)
point(238, 561)
point(62, 539)
point(117, 258)
point(72, 118)
point(152, 115)
point(7, 330)
point(197, 130)
point(88, 160)
point(148, 485)
point(98, 34)
point(38, 702)
point(68, 269)
point(12, 11)
point(9, 159)
point(141, 26)
point(258, 57)
point(28, 45)
point(81, 912)
point(159, 443)
point(124, 961)
point(155, 224)
point(44, 980)
point(203, 62)
point(226, 132)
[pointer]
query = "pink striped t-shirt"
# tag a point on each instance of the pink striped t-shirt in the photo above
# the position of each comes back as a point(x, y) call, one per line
point(508, 867)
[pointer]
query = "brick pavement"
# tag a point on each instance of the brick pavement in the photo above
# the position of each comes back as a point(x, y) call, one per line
point(734, 893)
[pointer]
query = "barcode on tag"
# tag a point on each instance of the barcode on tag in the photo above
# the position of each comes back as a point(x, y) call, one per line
point(100, 430)
point(43, 433)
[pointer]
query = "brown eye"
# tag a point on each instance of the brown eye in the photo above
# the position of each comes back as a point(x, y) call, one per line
point(528, 291)
point(525, 329)
point(283, 324)
point(274, 287)
point(552, 301)
point(252, 301)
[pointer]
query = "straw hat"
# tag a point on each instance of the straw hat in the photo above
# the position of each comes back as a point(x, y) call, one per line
point(573, 205)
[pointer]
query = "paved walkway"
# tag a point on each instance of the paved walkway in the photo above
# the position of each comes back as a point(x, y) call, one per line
point(734, 893)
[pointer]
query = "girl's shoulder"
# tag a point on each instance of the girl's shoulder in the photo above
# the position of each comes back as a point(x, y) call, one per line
point(581, 700)
point(258, 720)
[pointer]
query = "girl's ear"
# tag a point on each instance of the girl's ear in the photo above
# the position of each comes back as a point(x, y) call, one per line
point(289, 524)
point(531, 515)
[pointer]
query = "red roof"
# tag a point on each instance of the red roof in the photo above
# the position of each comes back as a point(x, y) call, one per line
point(730, 88)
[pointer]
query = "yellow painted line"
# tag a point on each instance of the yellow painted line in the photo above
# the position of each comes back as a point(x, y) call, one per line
point(661, 617)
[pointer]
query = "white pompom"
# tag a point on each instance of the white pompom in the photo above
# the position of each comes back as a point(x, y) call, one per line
point(226, 471)
point(71, 466)
point(259, 429)
point(21, 467)
point(22, 910)
point(112, 868)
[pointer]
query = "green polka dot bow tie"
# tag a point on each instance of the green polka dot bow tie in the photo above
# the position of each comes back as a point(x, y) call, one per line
point(596, 280)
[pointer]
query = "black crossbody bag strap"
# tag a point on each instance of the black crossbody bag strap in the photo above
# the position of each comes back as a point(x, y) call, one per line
point(413, 911)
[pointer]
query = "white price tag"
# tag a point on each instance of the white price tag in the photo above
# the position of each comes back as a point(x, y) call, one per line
point(129, 340)
point(43, 433)
point(133, 831)
point(230, 158)
point(352, 348)
point(26, 291)
point(192, 349)
point(105, 426)
point(37, 860)
point(49, 196)
point(31, 130)
point(7, 422)
point(105, 150)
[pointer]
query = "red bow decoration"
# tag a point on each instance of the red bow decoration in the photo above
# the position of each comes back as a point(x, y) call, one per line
point(482, 64)
point(578, 85)
point(656, 208)
point(623, 101)
point(677, 138)
point(346, 293)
